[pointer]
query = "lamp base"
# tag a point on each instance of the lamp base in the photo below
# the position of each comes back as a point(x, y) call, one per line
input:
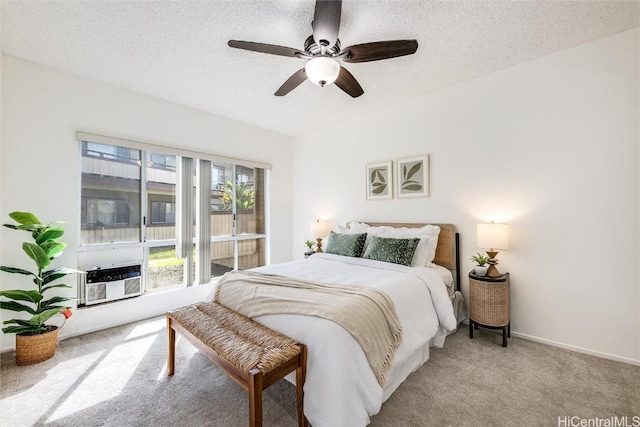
point(492, 271)
point(319, 244)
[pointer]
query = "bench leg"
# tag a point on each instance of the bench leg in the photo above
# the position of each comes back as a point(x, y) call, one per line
point(255, 398)
point(171, 354)
point(301, 373)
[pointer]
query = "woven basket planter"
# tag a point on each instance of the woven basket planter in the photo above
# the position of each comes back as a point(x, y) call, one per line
point(32, 349)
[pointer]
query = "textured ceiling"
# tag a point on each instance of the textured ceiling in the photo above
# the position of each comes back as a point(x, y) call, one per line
point(177, 50)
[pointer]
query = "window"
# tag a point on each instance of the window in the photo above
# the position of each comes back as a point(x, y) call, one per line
point(110, 194)
point(243, 174)
point(139, 201)
point(104, 213)
point(163, 213)
point(218, 177)
point(110, 152)
point(162, 161)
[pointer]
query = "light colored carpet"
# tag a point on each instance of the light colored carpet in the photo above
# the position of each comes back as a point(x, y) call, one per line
point(117, 377)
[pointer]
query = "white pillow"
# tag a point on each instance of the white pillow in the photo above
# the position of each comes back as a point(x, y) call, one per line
point(426, 250)
point(361, 227)
point(353, 228)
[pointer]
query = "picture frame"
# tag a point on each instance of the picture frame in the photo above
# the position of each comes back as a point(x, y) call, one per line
point(412, 177)
point(379, 179)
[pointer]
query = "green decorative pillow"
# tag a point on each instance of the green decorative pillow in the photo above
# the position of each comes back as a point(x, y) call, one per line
point(397, 251)
point(346, 244)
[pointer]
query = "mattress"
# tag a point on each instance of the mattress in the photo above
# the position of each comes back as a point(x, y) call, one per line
point(340, 388)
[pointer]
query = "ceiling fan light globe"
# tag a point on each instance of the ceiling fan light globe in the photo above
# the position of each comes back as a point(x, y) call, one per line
point(322, 70)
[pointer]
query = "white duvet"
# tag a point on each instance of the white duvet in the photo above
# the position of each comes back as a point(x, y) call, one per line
point(340, 388)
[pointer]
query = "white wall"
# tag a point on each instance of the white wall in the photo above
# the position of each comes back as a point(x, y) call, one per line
point(550, 147)
point(43, 108)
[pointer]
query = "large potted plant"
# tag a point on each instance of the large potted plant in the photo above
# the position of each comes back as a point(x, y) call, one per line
point(35, 340)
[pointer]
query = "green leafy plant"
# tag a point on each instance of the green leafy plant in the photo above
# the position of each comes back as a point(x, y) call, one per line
point(42, 251)
point(245, 196)
point(309, 244)
point(480, 259)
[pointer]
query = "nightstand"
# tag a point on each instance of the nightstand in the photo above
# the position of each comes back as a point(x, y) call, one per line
point(489, 305)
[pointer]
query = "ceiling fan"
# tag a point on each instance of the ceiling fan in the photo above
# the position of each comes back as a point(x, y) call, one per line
point(322, 52)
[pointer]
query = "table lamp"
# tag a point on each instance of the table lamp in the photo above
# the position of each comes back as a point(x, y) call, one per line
point(491, 237)
point(319, 229)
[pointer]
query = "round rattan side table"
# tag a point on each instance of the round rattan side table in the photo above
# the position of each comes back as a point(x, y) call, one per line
point(489, 305)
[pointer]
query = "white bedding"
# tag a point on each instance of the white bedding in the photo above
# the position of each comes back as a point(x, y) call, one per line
point(340, 388)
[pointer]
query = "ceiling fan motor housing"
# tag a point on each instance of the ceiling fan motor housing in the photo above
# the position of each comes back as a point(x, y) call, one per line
point(313, 49)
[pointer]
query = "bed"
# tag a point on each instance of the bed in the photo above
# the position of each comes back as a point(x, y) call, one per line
point(341, 388)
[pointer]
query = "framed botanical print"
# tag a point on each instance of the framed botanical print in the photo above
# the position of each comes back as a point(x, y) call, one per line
point(379, 180)
point(413, 177)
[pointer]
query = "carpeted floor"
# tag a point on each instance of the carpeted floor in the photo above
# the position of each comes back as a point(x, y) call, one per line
point(117, 377)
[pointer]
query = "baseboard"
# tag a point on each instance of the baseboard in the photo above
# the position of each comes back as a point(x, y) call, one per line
point(571, 347)
point(578, 349)
point(117, 313)
point(77, 333)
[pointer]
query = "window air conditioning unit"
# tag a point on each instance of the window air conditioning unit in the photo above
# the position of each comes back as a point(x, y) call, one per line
point(111, 283)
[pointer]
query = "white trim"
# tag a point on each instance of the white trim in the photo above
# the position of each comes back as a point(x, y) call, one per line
point(232, 238)
point(184, 207)
point(234, 211)
point(568, 347)
point(578, 349)
point(267, 216)
point(129, 143)
point(109, 246)
point(143, 197)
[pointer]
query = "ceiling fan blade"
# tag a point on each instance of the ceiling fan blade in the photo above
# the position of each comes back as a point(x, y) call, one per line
point(265, 48)
point(376, 51)
point(348, 83)
point(293, 82)
point(326, 22)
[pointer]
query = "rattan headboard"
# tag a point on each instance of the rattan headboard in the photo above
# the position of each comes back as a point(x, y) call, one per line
point(447, 250)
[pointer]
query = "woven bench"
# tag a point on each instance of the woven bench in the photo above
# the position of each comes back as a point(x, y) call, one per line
point(250, 353)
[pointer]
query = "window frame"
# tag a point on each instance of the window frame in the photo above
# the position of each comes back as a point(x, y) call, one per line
point(145, 150)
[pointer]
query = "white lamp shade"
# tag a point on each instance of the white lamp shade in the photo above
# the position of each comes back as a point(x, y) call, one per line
point(322, 70)
point(493, 236)
point(319, 229)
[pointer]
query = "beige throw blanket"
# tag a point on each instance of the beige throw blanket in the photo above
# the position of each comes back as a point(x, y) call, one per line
point(367, 314)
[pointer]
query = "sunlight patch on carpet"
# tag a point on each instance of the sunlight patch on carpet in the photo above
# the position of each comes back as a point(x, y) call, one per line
point(107, 379)
point(52, 387)
point(146, 329)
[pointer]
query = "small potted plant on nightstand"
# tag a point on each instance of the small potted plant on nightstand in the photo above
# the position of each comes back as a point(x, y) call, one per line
point(481, 264)
point(309, 244)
